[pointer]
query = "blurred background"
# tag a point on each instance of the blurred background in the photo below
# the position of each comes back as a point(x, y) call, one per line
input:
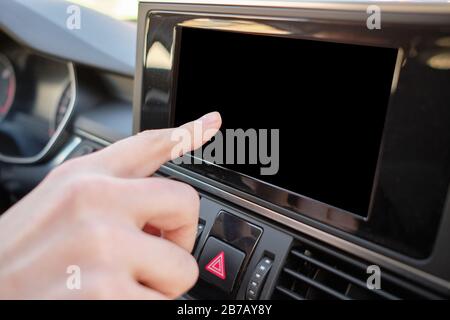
point(120, 9)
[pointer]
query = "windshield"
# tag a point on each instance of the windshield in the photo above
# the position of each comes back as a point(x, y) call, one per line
point(120, 9)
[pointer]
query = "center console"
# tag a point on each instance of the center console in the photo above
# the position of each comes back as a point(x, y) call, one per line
point(359, 120)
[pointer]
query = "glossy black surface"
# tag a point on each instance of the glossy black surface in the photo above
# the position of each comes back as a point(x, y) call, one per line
point(414, 167)
point(331, 110)
point(235, 231)
point(239, 234)
point(223, 277)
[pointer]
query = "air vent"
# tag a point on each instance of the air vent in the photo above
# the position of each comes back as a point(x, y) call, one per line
point(313, 271)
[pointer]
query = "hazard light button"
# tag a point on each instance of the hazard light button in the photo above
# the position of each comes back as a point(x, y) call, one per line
point(220, 263)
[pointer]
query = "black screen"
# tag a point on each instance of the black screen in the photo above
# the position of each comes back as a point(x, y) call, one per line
point(328, 100)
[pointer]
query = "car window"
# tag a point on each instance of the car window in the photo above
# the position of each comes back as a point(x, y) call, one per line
point(120, 9)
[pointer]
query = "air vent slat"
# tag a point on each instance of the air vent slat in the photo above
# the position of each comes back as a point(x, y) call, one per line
point(289, 293)
point(316, 284)
point(314, 271)
point(341, 274)
point(335, 253)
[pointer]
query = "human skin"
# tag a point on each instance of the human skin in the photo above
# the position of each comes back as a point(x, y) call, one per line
point(130, 234)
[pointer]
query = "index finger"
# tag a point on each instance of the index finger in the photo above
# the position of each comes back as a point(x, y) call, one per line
point(143, 154)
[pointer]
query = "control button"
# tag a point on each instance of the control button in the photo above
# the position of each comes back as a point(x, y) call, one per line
point(217, 266)
point(220, 263)
point(251, 295)
point(258, 278)
point(200, 228)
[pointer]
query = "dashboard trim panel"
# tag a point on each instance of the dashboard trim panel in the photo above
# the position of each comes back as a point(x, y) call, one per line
point(347, 246)
point(396, 183)
point(433, 267)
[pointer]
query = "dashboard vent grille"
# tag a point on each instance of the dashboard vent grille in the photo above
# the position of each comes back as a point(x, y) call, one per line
point(313, 271)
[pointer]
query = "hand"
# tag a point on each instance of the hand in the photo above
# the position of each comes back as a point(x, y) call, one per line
point(131, 236)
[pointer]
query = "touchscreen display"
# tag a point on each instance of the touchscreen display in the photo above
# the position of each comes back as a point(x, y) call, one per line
point(317, 109)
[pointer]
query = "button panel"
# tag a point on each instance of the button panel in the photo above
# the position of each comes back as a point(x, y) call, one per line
point(252, 238)
point(258, 278)
point(220, 264)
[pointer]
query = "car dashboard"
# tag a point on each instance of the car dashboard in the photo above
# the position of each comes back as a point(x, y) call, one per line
point(266, 65)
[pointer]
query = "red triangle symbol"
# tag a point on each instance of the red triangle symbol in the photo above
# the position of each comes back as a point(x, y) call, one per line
point(217, 266)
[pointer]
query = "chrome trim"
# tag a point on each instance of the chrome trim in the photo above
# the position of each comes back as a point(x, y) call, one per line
point(391, 6)
point(398, 65)
point(59, 131)
point(66, 151)
point(92, 137)
point(335, 241)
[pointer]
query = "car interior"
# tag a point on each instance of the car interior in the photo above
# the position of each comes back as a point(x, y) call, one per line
point(356, 177)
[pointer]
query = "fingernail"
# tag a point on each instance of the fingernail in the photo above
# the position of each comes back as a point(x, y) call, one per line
point(210, 119)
